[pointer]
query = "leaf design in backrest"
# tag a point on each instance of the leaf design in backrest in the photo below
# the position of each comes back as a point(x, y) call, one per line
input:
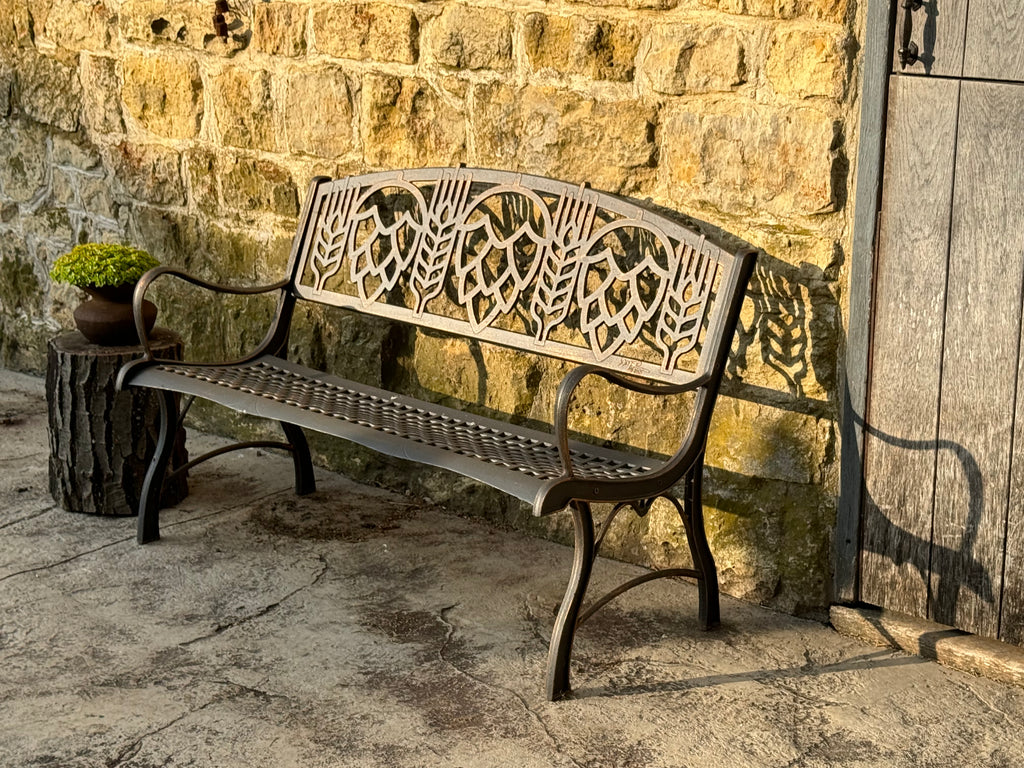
point(387, 225)
point(622, 283)
point(496, 256)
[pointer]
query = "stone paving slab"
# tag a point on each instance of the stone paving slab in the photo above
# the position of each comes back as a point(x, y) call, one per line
point(356, 627)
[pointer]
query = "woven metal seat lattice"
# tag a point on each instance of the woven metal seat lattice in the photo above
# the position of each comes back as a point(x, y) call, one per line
point(401, 418)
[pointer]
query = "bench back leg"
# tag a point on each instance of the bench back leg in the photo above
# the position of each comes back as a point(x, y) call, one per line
point(560, 650)
point(305, 483)
point(152, 485)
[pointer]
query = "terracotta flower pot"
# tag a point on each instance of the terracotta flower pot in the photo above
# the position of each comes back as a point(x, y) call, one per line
point(106, 318)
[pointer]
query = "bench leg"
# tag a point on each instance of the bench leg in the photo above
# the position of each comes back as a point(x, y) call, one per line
point(153, 484)
point(305, 483)
point(560, 650)
point(692, 513)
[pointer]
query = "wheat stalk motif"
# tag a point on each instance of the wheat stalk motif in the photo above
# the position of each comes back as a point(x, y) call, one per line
point(437, 238)
point(560, 262)
point(682, 311)
point(332, 237)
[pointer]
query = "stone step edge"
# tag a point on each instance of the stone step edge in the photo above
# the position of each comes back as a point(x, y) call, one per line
point(949, 646)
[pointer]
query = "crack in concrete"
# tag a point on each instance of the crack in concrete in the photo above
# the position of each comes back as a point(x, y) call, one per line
point(30, 516)
point(259, 693)
point(66, 560)
point(124, 539)
point(221, 628)
point(26, 457)
point(449, 634)
point(133, 749)
point(990, 706)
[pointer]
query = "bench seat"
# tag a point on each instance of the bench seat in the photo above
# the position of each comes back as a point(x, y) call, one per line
point(514, 459)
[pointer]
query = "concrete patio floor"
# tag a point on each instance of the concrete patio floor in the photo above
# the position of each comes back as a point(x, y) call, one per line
point(355, 627)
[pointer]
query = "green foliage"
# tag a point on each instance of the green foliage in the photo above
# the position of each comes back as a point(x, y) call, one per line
point(102, 264)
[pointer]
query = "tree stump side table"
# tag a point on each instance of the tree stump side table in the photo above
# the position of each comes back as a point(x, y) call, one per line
point(101, 440)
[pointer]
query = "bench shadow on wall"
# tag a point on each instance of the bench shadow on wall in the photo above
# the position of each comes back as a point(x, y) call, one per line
point(901, 547)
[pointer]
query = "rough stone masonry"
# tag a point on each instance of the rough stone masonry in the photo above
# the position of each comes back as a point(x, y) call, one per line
point(131, 120)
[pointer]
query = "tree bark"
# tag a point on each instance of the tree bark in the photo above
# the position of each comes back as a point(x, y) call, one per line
point(101, 440)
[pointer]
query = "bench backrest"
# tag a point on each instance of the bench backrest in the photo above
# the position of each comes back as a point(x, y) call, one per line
point(523, 261)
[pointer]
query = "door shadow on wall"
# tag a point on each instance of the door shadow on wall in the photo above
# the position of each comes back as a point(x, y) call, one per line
point(952, 568)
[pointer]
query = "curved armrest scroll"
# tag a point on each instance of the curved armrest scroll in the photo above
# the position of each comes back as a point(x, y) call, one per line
point(148, 278)
point(567, 388)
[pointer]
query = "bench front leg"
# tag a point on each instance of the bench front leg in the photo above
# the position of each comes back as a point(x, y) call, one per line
point(560, 650)
point(305, 482)
point(153, 485)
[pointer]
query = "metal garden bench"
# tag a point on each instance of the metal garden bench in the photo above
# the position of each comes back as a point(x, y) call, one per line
point(625, 292)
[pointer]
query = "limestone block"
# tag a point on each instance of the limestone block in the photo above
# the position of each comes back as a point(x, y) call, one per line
point(742, 158)
point(243, 103)
point(279, 28)
point(471, 38)
point(318, 112)
point(101, 89)
point(600, 50)
point(6, 86)
point(22, 161)
point(761, 441)
point(50, 223)
point(202, 173)
point(824, 10)
point(162, 21)
point(770, 539)
point(685, 58)
point(81, 24)
point(182, 24)
point(406, 124)
point(164, 94)
point(789, 332)
point(15, 26)
point(547, 131)
point(259, 185)
point(21, 291)
point(49, 90)
point(808, 62)
point(69, 150)
point(367, 31)
point(63, 189)
point(656, 5)
point(147, 172)
point(94, 196)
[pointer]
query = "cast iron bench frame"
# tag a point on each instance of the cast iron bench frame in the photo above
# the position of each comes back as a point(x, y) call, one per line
point(622, 290)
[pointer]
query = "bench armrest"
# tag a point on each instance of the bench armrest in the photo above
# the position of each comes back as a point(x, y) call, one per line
point(150, 276)
point(569, 384)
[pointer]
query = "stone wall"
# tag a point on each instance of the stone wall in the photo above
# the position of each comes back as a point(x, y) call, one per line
point(132, 121)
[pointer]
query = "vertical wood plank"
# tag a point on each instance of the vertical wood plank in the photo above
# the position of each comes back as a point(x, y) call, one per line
point(983, 312)
point(995, 31)
point(910, 284)
point(1005, 192)
point(870, 152)
point(939, 28)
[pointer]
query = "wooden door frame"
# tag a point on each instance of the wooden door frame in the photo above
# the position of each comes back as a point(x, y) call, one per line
point(855, 366)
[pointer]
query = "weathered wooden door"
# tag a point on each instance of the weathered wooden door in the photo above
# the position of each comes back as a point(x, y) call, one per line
point(942, 526)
